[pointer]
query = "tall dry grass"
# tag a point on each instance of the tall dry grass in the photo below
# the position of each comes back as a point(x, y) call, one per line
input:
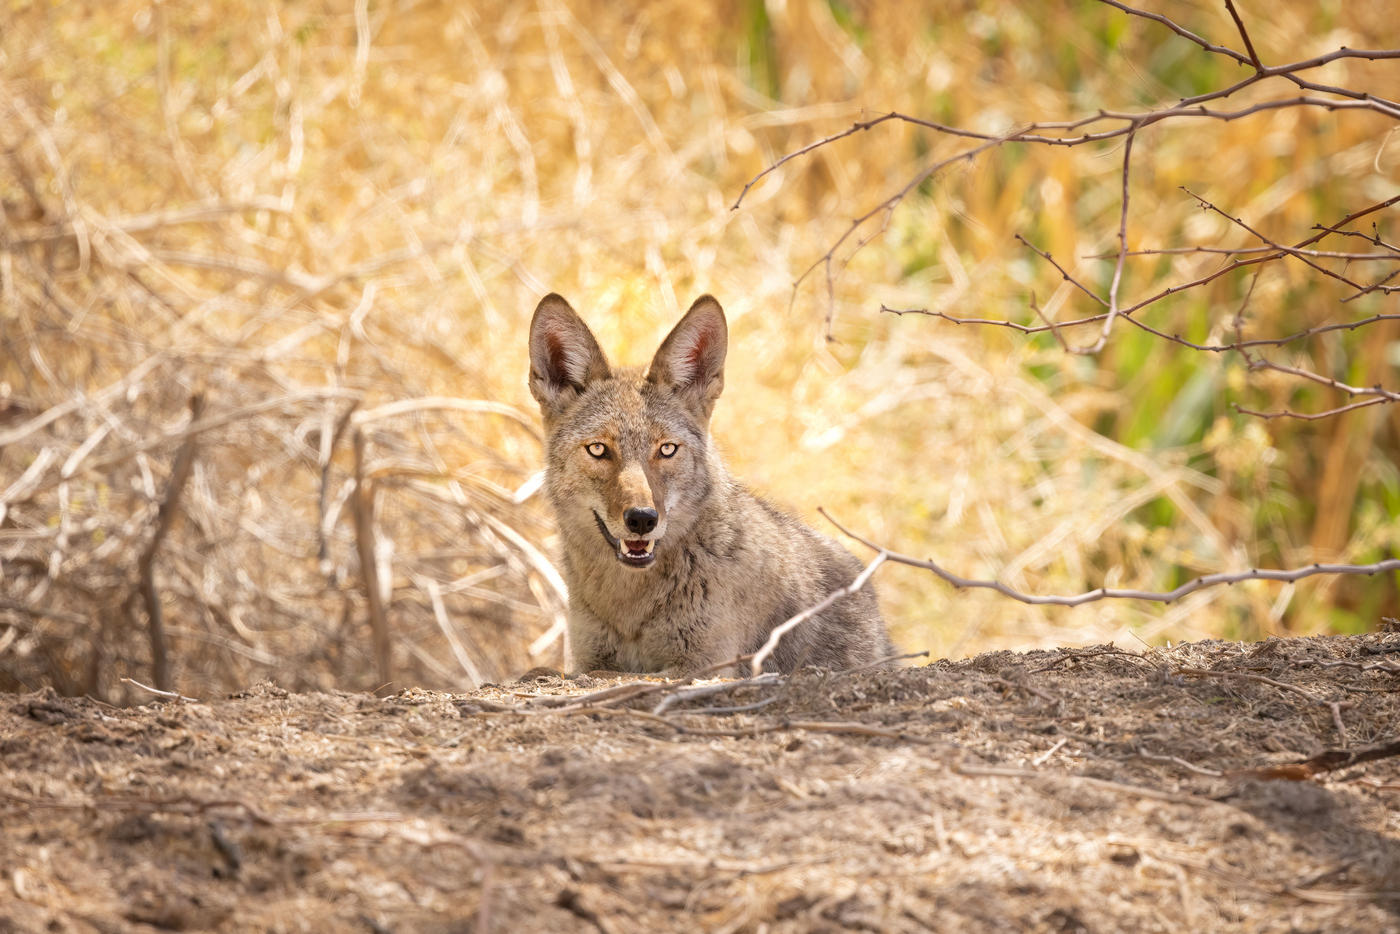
point(295, 209)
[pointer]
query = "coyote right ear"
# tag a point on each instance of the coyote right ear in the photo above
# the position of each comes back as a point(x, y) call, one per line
point(691, 358)
point(564, 356)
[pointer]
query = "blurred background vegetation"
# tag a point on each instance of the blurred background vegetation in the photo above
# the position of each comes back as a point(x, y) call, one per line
point(293, 209)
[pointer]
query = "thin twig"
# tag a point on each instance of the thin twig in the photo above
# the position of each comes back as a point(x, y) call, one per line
point(1080, 656)
point(158, 692)
point(1309, 417)
point(1050, 324)
point(1113, 310)
point(1084, 130)
point(1045, 756)
point(1248, 46)
point(1290, 251)
point(767, 678)
point(1259, 363)
point(1253, 251)
point(1064, 273)
point(779, 631)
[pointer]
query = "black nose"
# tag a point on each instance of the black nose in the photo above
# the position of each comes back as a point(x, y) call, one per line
point(640, 521)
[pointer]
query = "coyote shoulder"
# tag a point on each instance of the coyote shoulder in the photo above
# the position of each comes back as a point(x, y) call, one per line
point(672, 565)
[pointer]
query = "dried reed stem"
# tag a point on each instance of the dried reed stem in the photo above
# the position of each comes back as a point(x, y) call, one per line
point(184, 460)
point(363, 510)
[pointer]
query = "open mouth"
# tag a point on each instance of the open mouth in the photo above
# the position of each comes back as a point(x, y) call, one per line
point(635, 553)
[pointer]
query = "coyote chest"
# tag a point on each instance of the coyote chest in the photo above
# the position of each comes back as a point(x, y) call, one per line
point(671, 564)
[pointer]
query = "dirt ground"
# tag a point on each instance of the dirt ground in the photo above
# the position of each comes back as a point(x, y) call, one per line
point(1051, 791)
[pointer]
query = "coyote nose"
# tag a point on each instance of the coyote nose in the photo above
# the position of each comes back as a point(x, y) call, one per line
point(639, 521)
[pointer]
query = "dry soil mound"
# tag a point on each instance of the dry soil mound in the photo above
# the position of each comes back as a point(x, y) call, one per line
point(1054, 791)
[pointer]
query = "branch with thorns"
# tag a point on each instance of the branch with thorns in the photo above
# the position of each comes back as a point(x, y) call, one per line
point(1086, 130)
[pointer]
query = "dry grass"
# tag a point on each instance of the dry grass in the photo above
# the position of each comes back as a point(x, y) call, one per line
point(304, 206)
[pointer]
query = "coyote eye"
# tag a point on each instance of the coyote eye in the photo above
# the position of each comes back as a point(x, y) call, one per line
point(598, 449)
point(668, 450)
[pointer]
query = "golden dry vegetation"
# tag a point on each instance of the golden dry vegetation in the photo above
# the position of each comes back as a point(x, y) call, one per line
point(303, 213)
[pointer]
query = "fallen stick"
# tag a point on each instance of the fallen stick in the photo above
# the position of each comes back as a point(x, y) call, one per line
point(158, 692)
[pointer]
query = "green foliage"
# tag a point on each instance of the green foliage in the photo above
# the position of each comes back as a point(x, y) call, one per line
point(758, 50)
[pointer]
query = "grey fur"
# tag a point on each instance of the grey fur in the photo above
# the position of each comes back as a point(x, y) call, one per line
point(722, 566)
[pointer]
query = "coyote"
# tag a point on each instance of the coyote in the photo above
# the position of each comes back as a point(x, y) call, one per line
point(672, 565)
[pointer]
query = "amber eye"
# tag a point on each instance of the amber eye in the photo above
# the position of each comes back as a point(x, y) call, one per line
point(667, 450)
point(598, 449)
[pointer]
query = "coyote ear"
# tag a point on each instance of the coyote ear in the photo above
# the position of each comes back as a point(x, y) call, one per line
point(564, 356)
point(691, 358)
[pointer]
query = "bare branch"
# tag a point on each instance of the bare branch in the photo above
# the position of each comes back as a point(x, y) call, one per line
point(706, 690)
point(1369, 238)
point(1244, 34)
point(219, 421)
point(1183, 33)
point(1029, 133)
point(1276, 246)
point(1377, 287)
point(778, 632)
point(1252, 250)
point(1262, 364)
point(1048, 323)
point(1133, 122)
point(1023, 328)
point(855, 128)
point(1122, 255)
point(1324, 230)
point(1045, 255)
point(1103, 593)
point(1269, 416)
point(1275, 251)
point(28, 481)
point(887, 208)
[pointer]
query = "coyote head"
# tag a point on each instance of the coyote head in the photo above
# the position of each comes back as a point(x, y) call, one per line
point(628, 455)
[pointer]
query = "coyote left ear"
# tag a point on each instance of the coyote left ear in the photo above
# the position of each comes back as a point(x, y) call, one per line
point(691, 358)
point(564, 356)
